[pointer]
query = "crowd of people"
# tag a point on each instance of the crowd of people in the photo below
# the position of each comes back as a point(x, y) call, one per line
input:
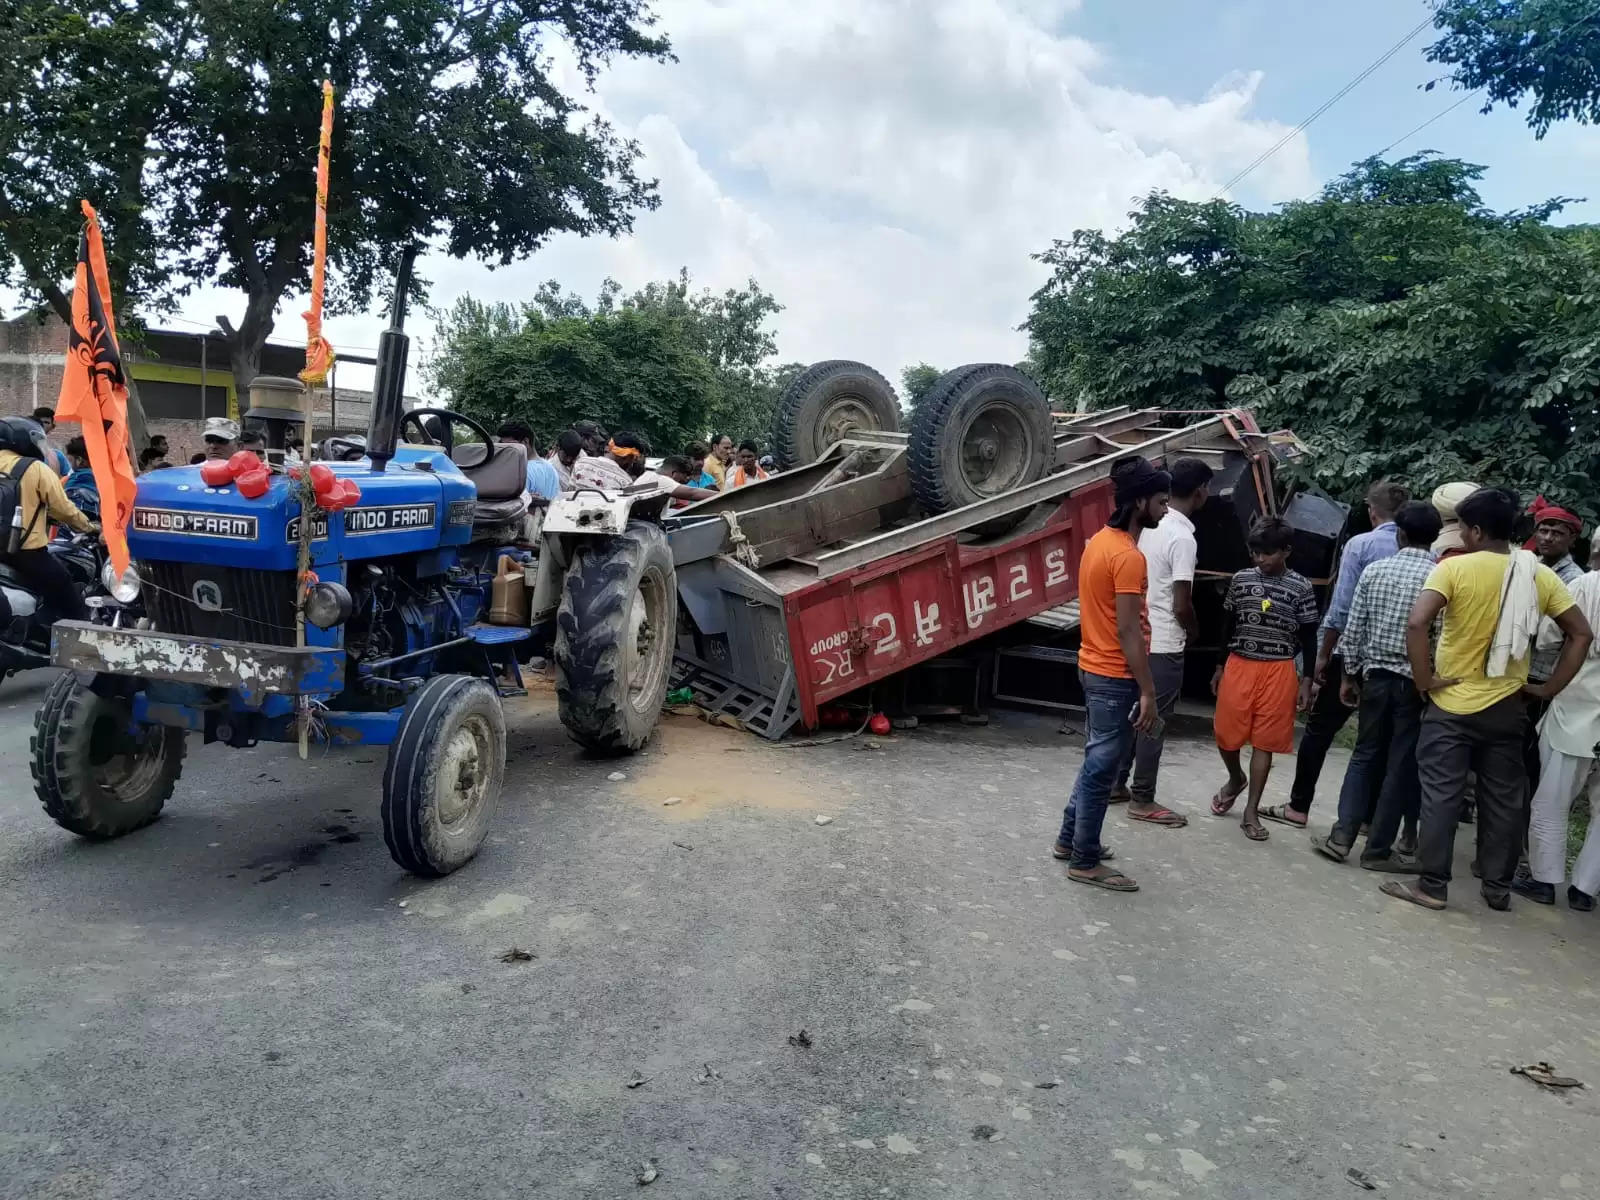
point(585, 455)
point(1469, 662)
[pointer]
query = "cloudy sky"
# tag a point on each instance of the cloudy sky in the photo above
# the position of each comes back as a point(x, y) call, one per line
point(886, 167)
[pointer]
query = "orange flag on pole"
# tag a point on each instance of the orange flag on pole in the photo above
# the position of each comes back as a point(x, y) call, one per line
point(319, 354)
point(94, 391)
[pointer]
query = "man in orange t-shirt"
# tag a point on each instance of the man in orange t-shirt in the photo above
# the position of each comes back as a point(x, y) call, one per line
point(1119, 694)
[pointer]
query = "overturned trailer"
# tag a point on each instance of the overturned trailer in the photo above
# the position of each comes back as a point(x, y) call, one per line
point(892, 548)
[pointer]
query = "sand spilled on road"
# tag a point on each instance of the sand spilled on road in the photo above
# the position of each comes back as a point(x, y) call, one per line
point(711, 767)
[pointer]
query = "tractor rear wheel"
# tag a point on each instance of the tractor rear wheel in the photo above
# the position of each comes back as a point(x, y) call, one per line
point(94, 773)
point(614, 638)
point(826, 402)
point(441, 785)
point(982, 430)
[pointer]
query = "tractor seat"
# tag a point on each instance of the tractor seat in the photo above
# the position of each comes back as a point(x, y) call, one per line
point(500, 473)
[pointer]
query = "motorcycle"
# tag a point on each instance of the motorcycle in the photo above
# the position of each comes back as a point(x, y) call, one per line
point(24, 619)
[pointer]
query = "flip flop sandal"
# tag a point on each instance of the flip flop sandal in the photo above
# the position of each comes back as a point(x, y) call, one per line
point(1065, 852)
point(1279, 813)
point(1115, 882)
point(1222, 803)
point(1406, 891)
point(1329, 848)
point(1255, 833)
point(1160, 816)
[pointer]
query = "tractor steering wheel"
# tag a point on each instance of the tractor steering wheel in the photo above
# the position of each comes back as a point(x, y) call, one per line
point(449, 418)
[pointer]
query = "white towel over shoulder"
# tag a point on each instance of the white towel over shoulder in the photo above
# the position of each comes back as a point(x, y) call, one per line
point(1519, 614)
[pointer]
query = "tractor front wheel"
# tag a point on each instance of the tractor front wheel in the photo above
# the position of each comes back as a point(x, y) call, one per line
point(96, 773)
point(441, 785)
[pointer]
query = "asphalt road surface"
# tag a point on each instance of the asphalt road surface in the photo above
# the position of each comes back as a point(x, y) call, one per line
point(249, 999)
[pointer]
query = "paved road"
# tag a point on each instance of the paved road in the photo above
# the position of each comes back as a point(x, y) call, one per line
point(248, 999)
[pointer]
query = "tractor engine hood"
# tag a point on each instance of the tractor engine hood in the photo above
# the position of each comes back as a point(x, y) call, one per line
point(421, 503)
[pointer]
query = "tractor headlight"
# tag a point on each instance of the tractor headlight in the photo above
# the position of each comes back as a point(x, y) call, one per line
point(123, 588)
point(328, 604)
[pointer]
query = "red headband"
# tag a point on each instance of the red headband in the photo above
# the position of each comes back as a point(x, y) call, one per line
point(1544, 511)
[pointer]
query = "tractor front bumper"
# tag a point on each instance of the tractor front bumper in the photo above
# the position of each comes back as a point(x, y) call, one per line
point(251, 669)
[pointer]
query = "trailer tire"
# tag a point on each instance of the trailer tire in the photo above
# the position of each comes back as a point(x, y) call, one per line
point(86, 787)
point(826, 401)
point(614, 639)
point(981, 430)
point(442, 781)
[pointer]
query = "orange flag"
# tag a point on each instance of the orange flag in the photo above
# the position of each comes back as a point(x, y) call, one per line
point(94, 391)
point(319, 354)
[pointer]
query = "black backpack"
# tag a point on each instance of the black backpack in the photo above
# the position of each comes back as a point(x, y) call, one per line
point(11, 500)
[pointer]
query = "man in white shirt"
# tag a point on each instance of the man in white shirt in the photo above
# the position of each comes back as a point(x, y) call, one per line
point(1567, 739)
point(1169, 551)
point(622, 467)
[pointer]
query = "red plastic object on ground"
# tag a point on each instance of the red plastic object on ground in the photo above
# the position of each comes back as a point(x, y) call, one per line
point(879, 725)
point(253, 484)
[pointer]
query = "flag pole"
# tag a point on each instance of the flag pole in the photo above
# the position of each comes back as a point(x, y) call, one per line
point(319, 357)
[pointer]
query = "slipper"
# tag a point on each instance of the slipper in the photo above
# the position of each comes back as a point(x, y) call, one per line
point(1329, 848)
point(1160, 816)
point(1407, 891)
point(1119, 796)
point(1255, 833)
point(1222, 803)
point(1114, 882)
point(1280, 813)
point(1065, 852)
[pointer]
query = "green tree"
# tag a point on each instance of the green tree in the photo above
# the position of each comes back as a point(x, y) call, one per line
point(916, 381)
point(1394, 322)
point(1542, 53)
point(450, 130)
point(725, 333)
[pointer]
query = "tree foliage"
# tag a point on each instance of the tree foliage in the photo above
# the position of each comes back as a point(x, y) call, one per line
point(666, 361)
point(916, 382)
point(1394, 322)
point(193, 123)
point(1542, 53)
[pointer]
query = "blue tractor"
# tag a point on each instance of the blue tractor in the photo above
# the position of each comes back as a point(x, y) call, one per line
point(387, 645)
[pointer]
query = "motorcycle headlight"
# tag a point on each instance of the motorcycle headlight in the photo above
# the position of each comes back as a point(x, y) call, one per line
point(328, 604)
point(123, 588)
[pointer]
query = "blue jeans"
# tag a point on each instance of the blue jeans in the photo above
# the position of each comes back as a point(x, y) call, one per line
point(1109, 704)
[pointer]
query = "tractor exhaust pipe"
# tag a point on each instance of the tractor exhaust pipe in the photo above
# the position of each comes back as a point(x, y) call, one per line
point(389, 379)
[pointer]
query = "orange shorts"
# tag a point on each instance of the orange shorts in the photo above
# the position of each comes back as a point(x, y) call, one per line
point(1256, 704)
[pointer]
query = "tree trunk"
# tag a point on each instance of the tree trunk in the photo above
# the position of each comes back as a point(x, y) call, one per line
point(138, 428)
point(245, 343)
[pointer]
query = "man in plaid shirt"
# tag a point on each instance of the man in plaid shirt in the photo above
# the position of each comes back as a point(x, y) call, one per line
point(1377, 681)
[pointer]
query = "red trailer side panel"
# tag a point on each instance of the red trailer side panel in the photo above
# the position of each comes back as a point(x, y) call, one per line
point(851, 630)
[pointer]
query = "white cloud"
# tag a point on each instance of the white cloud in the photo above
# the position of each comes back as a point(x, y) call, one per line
point(884, 167)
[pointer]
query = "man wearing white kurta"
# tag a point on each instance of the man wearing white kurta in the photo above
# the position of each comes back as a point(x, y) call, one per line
point(1567, 739)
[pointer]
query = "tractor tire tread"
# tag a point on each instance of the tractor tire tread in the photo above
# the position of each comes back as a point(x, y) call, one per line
point(58, 778)
point(407, 772)
point(788, 433)
point(596, 597)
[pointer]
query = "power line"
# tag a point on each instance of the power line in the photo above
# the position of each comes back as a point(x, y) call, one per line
point(1560, 37)
point(1329, 103)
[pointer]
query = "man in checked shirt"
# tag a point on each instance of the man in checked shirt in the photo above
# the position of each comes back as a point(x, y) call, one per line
point(1377, 679)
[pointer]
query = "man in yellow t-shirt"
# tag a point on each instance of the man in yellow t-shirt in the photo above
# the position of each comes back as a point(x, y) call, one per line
point(1475, 721)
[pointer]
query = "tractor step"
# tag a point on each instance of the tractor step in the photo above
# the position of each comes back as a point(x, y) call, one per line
point(491, 636)
point(498, 635)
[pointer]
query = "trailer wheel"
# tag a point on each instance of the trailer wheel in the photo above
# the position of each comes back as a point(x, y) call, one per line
point(441, 784)
point(824, 403)
point(95, 775)
point(980, 431)
point(614, 638)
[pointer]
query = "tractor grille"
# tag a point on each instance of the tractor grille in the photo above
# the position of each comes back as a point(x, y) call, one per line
point(238, 604)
